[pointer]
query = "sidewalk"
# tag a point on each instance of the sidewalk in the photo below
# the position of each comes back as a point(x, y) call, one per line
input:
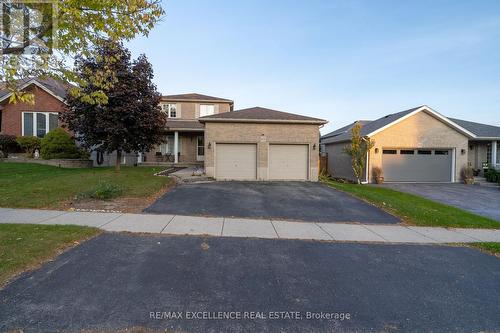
point(233, 227)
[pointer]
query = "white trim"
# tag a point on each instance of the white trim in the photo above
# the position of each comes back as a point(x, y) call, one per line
point(494, 151)
point(206, 106)
point(367, 164)
point(35, 116)
point(432, 112)
point(176, 147)
point(200, 158)
point(41, 86)
point(453, 164)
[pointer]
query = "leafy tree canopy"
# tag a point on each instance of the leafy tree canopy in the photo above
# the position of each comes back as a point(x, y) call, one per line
point(43, 38)
point(357, 150)
point(131, 119)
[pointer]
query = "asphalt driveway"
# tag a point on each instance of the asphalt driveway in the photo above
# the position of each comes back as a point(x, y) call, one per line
point(302, 201)
point(116, 281)
point(477, 199)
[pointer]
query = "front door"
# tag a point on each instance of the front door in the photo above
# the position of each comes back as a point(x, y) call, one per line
point(200, 148)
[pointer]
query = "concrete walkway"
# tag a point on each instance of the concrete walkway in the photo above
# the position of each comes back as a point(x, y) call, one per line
point(231, 227)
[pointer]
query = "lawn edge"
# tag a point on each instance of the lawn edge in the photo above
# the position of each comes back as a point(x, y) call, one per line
point(405, 221)
point(59, 251)
point(478, 246)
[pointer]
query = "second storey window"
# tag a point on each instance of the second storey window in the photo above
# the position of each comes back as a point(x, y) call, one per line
point(38, 123)
point(207, 110)
point(170, 110)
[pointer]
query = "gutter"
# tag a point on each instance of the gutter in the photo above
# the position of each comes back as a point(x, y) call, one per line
point(275, 121)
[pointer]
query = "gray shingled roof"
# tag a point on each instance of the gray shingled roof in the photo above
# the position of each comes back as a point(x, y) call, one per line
point(367, 128)
point(184, 124)
point(345, 129)
point(480, 130)
point(57, 87)
point(261, 114)
point(344, 133)
point(194, 97)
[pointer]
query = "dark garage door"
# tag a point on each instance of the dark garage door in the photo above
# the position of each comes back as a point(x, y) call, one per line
point(417, 165)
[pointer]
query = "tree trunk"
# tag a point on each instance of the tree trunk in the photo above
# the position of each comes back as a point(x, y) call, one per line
point(118, 160)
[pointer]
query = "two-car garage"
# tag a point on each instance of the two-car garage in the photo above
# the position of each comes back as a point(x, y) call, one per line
point(238, 161)
point(417, 165)
point(261, 144)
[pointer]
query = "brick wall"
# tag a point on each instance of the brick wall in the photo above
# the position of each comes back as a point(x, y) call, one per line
point(262, 135)
point(12, 113)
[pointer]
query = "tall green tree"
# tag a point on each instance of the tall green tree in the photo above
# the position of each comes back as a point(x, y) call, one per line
point(358, 149)
point(43, 38)
point(131, 119)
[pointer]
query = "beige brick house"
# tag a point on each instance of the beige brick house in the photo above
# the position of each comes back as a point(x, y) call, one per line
point(261, 144)
point(185, 142)
point(249, 144)
point(416, 145)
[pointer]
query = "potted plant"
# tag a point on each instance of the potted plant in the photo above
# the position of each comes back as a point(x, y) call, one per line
point(468, 175)
point(377, 175)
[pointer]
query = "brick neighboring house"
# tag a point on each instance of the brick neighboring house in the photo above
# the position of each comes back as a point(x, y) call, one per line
point(416, 145)
point(38, 119)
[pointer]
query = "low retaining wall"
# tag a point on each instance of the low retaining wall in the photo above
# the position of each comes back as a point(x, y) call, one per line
point(63, 163)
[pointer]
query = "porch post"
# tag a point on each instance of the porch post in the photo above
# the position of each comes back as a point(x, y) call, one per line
point(176, 147)
point(494, 154)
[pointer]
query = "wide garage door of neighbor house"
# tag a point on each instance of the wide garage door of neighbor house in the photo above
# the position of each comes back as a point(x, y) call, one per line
point(235, 161)
point(288, 162)
point(417, 165)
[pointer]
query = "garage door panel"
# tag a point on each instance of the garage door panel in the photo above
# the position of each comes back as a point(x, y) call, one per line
point(288, 162)
point(417, 167)
point(236, 161)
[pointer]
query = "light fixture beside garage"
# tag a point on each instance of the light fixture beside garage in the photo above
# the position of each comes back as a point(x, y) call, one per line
point(209, 145)
point(314, 146)
point(462, 151)
point(376, 150)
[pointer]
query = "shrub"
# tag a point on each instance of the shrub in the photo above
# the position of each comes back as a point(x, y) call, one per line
point(84, 154)
point(58, 144)
point(103, 191)
point(377, 174)
point(467, 174)
point(8, 144)
point(492, 175)
point(28, 144)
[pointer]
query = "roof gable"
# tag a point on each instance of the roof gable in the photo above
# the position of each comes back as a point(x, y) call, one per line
point(56, 88)
point(371, 128)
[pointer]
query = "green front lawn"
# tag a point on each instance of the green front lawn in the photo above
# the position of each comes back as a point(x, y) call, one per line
point(416, 210)
point(42, 186)
point(489, 247)
point(25, 246)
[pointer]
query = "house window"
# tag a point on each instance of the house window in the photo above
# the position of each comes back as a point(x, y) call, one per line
point(200, 143)
point(207, 110)
point(441, 152)
point(39, 123)
point(170, 110)
point(389, 151)
point(407, 152)
point(169, 146)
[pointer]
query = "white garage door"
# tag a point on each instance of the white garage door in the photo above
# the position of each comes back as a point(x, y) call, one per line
point(236, 161)
point(417, 165)
point(288, 162)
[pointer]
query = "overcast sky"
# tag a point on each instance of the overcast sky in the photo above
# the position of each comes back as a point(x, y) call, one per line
point(336, 60)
